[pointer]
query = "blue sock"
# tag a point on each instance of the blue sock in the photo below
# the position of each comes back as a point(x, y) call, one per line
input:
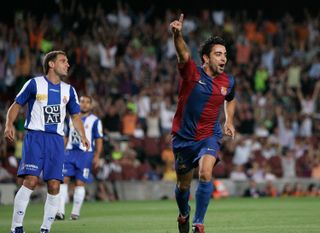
point(182, 199)
point(203, 196)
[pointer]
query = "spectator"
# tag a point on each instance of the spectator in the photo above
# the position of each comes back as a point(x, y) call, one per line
point(252, 190)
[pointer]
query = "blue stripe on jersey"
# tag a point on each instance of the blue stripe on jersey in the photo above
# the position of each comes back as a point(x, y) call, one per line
point(54, 99)
point(30, 106)
point(195, 105)
point(95, 134)
point(231, 81)
point(27, 94)
point(217, 126)
point(66, 128)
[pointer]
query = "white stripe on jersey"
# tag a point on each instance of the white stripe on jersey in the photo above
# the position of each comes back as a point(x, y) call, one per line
point(92, 125)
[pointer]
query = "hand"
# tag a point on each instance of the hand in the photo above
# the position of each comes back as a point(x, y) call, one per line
point(95, 163)
point(85, 142)
point(9, 133)
point(176, 26)
point(229, 130)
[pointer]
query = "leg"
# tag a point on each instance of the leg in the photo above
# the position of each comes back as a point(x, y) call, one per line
point(52, 203)
point(78, 198)
point(205, 187)
point(22, 199)
point(182, 193)
point(64, 198)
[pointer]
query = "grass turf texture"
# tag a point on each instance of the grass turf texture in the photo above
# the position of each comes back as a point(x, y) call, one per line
point(232, 215)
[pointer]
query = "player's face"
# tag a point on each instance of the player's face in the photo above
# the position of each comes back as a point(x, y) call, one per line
point(85, 104)
point(217, 59)
point(61, 66)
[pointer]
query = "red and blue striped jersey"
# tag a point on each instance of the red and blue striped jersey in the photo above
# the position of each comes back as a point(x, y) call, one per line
point(200, 103)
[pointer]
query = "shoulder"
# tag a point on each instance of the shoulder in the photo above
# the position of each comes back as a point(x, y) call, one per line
point(94, 117)
point(38, 79)
point(64, 84)
point(230, 78)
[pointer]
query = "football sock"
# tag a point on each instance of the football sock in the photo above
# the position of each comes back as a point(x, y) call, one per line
point(64, 198)
point(203, 196)
point(21, 202)
point(78, 197)
point(50, 210)
point(182, 199)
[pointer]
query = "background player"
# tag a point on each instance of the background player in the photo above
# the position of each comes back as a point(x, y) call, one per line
point(78, 162)
point(48, 100)
point(196, 128)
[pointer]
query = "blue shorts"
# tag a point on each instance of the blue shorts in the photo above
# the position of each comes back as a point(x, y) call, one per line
point(42, 152)
point(188, 153)
point(78, 164)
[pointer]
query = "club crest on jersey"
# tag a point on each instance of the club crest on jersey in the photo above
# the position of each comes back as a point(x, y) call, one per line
point(223, 90)
point(65, 99)
point(52, 114)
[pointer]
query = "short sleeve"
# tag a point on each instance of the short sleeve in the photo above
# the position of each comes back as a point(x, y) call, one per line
point(231, 93)
point(97, 129)
point(73, 105)
point(28, 90)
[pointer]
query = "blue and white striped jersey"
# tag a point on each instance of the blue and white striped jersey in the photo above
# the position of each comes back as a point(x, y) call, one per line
point(93, 130)
point(47, 104)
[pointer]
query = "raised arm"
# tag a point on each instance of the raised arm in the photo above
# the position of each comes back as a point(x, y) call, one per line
point(179, 43)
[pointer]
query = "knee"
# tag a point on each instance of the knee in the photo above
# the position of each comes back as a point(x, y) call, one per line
point(30, 182)
point(205, 175)
point(183, 186)
point(53, 188)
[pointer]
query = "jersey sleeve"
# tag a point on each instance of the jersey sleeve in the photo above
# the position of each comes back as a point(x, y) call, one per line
point(28, 90)
point(97, 129)
point(231, 94)
point(189, 70)
point(73, 105)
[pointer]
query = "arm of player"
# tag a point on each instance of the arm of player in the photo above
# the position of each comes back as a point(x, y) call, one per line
point(97, 152)
point(65, 140)
point(78, 125)
point(229, 109)
point(179, 43)
point(9, 131)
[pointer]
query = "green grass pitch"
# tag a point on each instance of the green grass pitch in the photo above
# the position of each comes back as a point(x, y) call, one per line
point(232, 215)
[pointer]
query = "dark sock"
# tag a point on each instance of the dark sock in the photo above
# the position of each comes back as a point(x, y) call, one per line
point(182, 199)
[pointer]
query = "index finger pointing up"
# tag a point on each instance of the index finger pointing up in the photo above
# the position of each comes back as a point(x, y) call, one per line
point(181, 18)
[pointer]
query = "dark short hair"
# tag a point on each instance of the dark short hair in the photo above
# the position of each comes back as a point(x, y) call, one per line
point(51, 56)
point(87, 96)
point(206, 46)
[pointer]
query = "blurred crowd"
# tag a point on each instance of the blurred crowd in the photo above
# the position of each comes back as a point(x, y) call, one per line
point(125, 59)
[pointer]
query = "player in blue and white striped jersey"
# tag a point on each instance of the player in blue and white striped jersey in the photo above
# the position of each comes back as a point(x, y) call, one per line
point(48, 99)
point(79, 162)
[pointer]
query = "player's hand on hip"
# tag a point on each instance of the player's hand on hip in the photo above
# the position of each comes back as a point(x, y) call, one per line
point(9, 133)
point(85, 143)
point(176, 26)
